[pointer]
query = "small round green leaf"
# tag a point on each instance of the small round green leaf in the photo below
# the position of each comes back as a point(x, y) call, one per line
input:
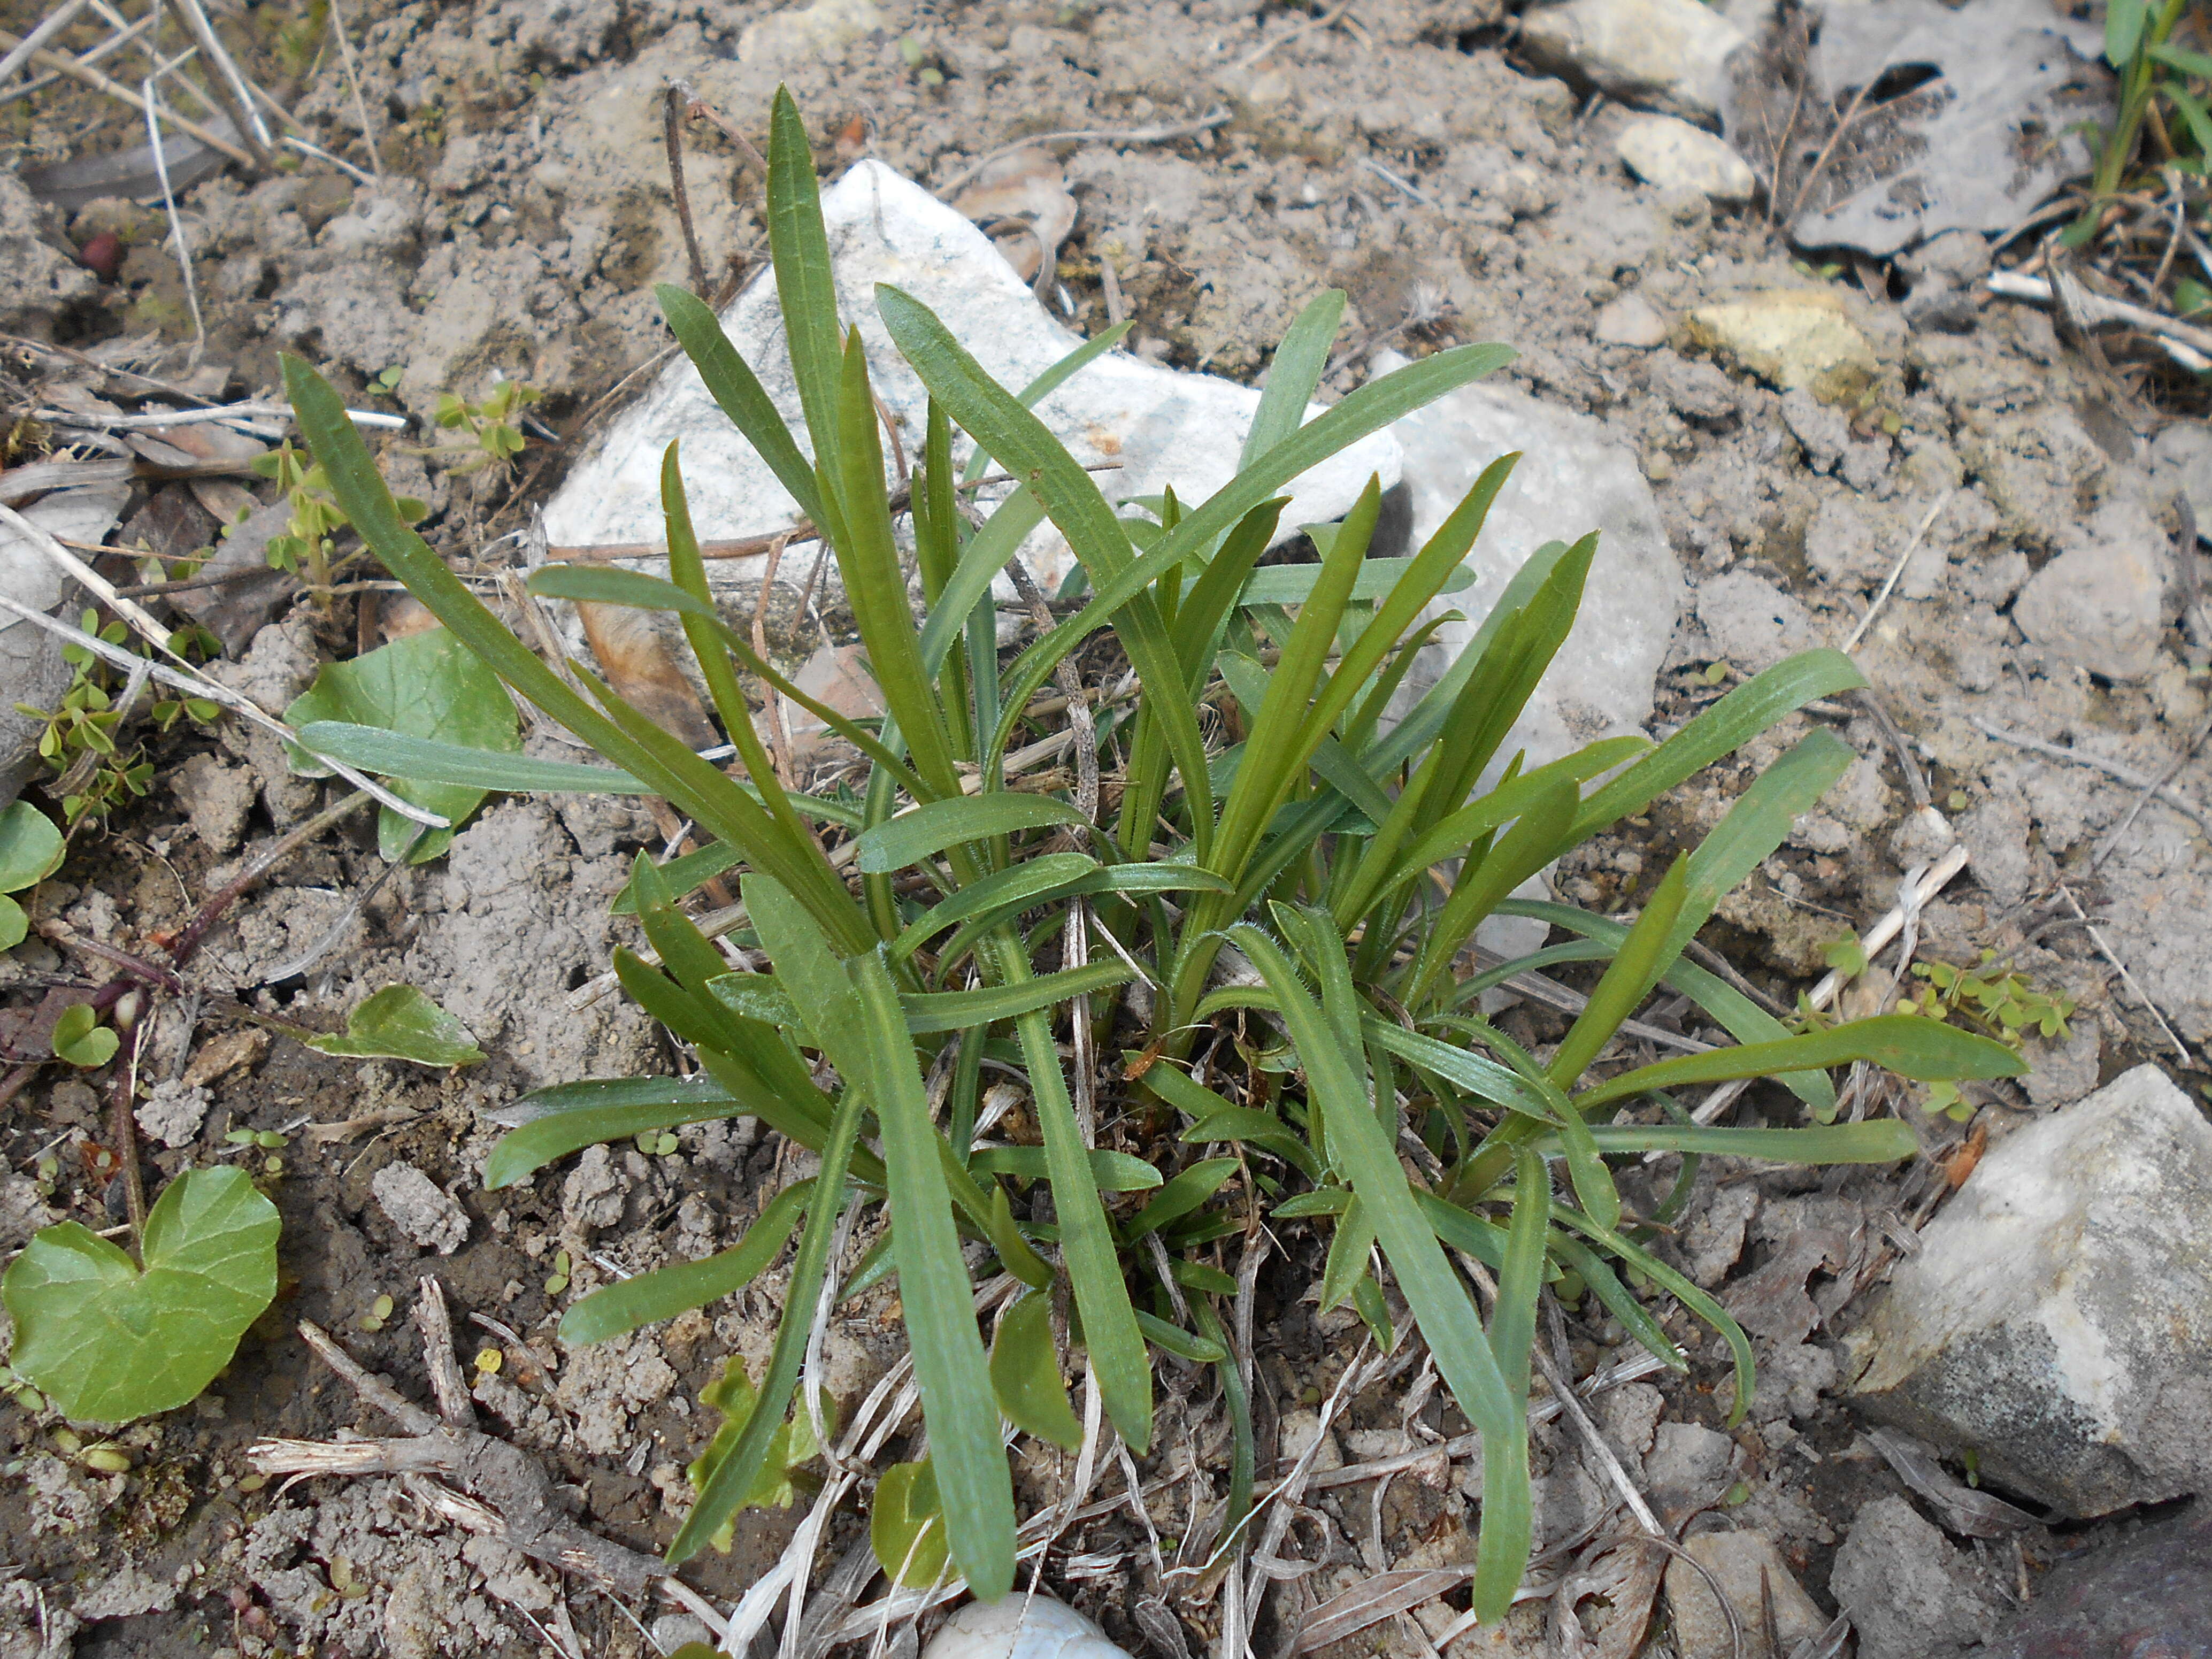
point(30, 848)
point(1026, 1373)
point(907, 1529)
point(109, 1343)
point(82, 1040)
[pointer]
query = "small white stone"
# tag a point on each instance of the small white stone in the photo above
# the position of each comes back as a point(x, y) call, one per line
point(799, 34)
point(173, 1112)
point(1020, 1626)
point(1631, 320)
point(419, 1208)
point(1665, 54)
point(1675, 156)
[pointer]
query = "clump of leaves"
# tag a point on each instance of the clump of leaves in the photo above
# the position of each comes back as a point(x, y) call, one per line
point(1346, 862)
point(493, 426)
point(2163, 89)
point(30, 849)
point(108, 1339)
point(84, 740)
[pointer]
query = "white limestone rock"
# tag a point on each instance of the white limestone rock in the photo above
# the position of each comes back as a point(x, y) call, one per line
point(1572, 479)
point(1673, 155)
point(1661, 54)
point(1164, 427)
point(2057, 1318)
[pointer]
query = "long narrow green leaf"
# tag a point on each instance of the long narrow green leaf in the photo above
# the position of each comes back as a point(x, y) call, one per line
point(1926, 1050)
point(987, 551)
point(733, 1478)
point(1540, 836)
point(1051, 381)
point(1689, 1295)
point(929, 1011)
point(1184, 1191)
point(913, 836)
point(732, 383)
point(1015, 1255)
point(1086, 1237)
point(1027, 448)
point(949, 1368)
point(1001, 894)
point(392, 754)
point(1108, 1172)
point(1757, 822)
point(575, 1116)
point(1627, 980)
point(1878, 1140)
point(1432, 1291)
point(806, 289)
point(1349, 1247)
point(1293, 584)
point(618, 1309)
point(1294, 371)
point(1720, 730)
point(691, 785)
point(1513, 1326)
point(1241, 1124)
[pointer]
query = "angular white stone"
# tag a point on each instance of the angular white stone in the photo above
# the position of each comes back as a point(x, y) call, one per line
point(1163, 427)
point(1674, 156)
point(1665, 54)
point(2057, 1317)
point(1571, 479)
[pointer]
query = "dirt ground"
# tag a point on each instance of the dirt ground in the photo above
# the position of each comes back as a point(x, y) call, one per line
point(1398, 149)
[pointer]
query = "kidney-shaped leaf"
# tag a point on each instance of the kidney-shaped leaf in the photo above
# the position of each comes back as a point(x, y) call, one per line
point(400, 1022)
point(108, 1342)
point(30, 848)
point(425, 685)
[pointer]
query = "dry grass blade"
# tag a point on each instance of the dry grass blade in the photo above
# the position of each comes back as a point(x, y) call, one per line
point(1387, 1593)
point(115, 89)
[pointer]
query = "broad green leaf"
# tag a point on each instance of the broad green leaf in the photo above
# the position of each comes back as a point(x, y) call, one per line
point(570, 1116)
point(2124, 30)
point(1360, 1147)
point(1015, 1255)
point(931, 828)
point(791, 1444)
point(622, 1307)
point(82, 1040)
point(400, 1022)
point(429, 685)
point(31, 848)
point(108, 1342)
point(906, 1526)
point(15, 926)
point(950, 1370)
point(392, 754)
point(1026, 1373)
point(1925, 1050)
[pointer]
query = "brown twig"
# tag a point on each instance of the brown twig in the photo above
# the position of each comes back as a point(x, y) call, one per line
point(672, 100)
point(115, 89)
point(188, 938)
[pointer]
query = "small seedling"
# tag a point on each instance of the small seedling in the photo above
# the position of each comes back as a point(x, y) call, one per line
point(379, 1311)
point(108, 1339)
point(400, 1022)
point(494, 426)
point(388, 382)
point(558, 1281)
point(30, 850)
point(83, 739)
point(82, 1040)
point(791, 1447)
point(310, 536)
point(2160, 87)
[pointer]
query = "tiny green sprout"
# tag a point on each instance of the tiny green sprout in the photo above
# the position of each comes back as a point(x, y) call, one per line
point(69, 1440)
point(382, 1307)
point(1972, 1459)
point(1847, 956)
point(49, 1170)
point(558, 1281)
point(1736, 1496)
point(1717, 672)
point(2191, 297)
point(488, 1361)
point(493, 426)
point(107, 1457)
point(1958, 800)
point(388, 382)
point(80, 1039)
point(910, 49)
point(272, 1166)
point(242, 1138)
point(271, 1140)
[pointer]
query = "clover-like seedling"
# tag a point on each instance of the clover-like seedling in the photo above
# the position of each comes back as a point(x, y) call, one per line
point(109, 1340)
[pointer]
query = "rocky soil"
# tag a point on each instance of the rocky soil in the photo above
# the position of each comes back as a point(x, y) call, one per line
point(1998, 521)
